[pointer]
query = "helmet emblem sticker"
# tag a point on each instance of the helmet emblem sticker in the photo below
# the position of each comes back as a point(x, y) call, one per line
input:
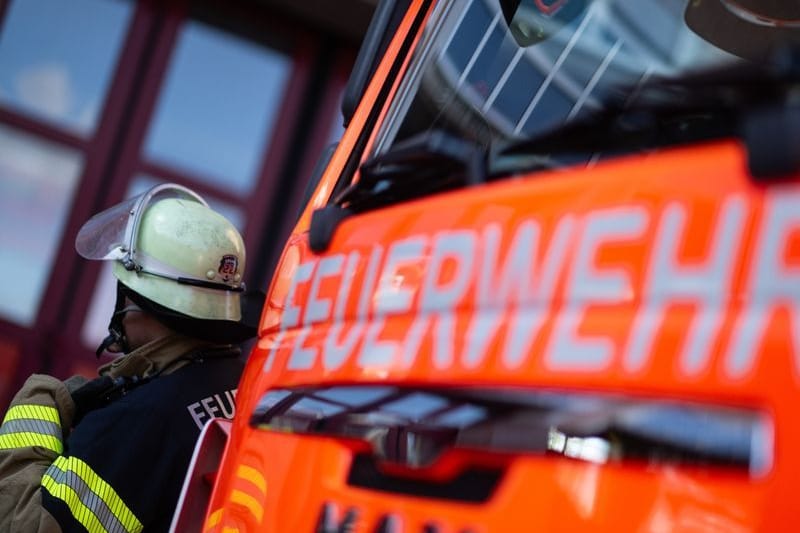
point(228, 266)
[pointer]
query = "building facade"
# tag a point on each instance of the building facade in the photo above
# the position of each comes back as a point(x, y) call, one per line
point(100, 99)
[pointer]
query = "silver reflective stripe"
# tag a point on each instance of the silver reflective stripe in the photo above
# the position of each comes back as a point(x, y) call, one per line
point(91, 500)
point(31, 426)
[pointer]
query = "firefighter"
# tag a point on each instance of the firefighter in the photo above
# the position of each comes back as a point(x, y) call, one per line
point(110, 454)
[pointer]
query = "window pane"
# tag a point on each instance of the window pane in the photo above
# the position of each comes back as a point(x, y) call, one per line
point(216, 114)
point(57, 58)
point(37, 183)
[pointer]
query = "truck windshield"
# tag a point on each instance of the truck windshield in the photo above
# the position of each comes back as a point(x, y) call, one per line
point(506, 70)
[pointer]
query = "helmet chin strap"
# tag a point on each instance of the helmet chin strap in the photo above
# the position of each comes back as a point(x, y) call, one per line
point(116, 330)
point(114, 337)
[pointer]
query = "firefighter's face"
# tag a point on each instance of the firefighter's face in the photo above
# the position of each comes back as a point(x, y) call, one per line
point(138, 327)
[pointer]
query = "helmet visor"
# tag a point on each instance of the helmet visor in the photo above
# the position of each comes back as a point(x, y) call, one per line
point(111, 234)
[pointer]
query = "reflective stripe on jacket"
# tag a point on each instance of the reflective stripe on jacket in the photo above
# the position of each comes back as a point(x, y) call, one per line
point(121, 468)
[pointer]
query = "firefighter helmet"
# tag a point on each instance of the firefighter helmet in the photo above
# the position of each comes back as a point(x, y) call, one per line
point(171, 248)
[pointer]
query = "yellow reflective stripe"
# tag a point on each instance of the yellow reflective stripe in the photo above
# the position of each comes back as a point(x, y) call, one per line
point(37, 412)
point(26, 439)
point(92, 501)
point(244, 499)
point(253, 476)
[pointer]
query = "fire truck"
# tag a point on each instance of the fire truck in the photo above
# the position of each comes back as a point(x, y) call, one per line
point(548, 280)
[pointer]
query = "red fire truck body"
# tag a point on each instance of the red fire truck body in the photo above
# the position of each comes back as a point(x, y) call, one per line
point(548, 280)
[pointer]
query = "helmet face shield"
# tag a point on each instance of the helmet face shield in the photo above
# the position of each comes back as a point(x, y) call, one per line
point(111, 234)
point(102, 237)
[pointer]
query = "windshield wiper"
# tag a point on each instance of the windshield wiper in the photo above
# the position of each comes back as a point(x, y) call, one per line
point(430, 162)
point(738, 101)
point(760, 105)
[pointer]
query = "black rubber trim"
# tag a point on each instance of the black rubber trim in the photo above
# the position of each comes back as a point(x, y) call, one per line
point(471, 485)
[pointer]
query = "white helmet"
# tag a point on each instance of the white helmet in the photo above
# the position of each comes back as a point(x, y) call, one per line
point(171, 248)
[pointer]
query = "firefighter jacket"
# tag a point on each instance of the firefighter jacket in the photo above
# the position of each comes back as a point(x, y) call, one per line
point(121, 468)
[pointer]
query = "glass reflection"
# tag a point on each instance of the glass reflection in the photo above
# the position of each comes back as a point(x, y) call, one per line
point(37, 182)
point(217, 112)
point(414, 427)
point(485, 77)
point(57, 58)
